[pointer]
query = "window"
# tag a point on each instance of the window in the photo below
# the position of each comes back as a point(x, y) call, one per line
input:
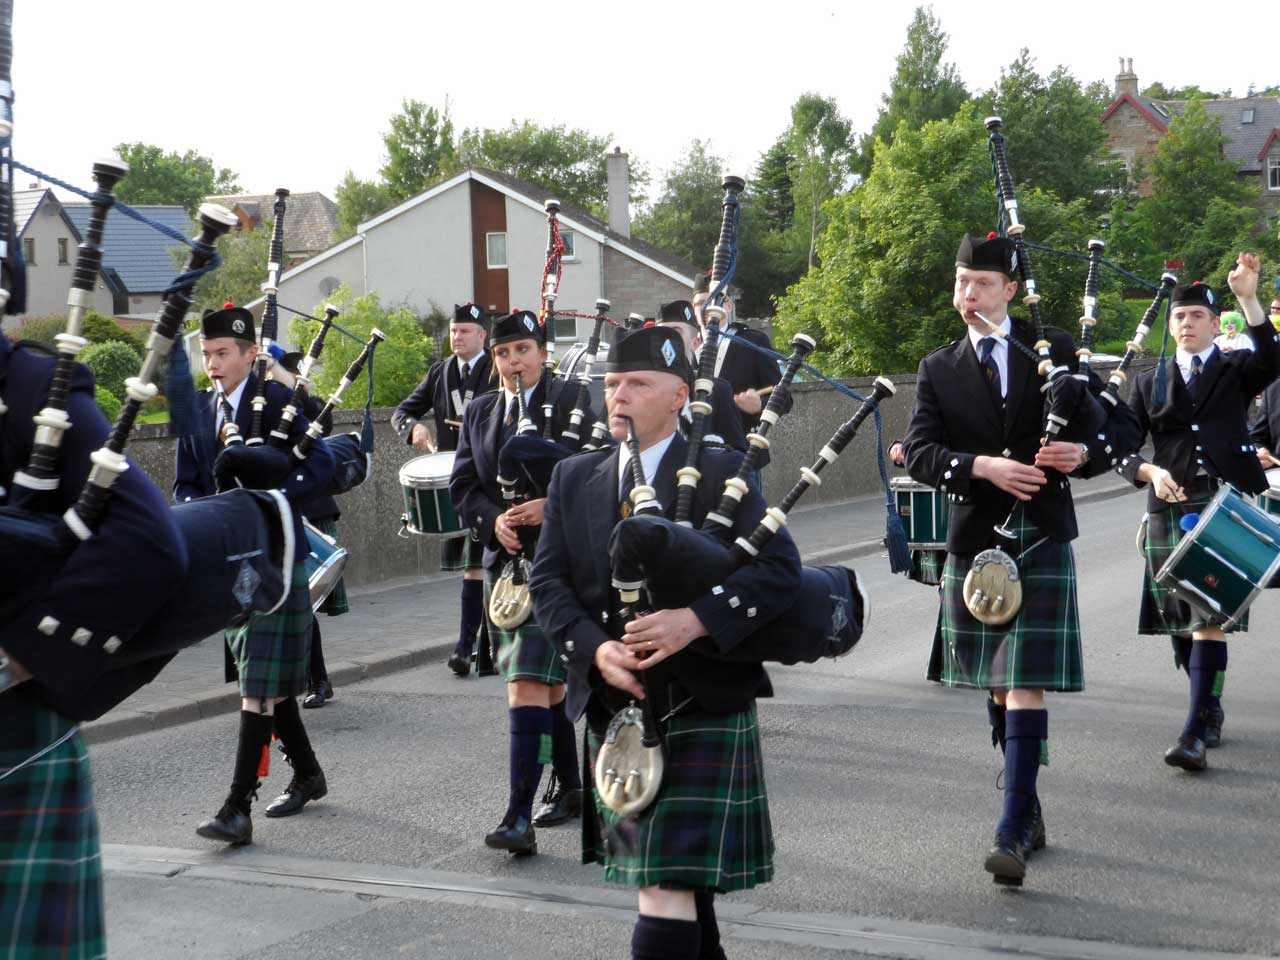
point(567, 237)
point(62, 250)
point(1246, 116)
point(1273, 173)
point(29, 252)
point(496, 246)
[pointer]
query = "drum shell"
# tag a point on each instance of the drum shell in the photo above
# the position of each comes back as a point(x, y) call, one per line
point(429, 510)
point(325, 562)
point(1269, 499)
point(925, 513)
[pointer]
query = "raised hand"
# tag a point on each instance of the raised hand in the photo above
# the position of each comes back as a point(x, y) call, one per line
point(1243, 280)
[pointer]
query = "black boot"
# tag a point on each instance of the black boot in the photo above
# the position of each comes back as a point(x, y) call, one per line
point(308, 781)
point(232, 824)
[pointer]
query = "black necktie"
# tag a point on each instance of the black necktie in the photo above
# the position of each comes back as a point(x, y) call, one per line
point(1193, 385)
point(228, 415)
point(986, 346)
point(628, 484)
point(464, 370)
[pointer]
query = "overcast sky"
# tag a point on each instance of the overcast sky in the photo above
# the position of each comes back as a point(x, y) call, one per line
point(293, 94)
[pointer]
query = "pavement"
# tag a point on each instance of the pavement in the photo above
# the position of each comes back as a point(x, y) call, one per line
point(406, 623)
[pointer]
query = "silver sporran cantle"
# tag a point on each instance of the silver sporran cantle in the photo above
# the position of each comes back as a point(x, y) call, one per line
point(628, 772)
point(992, 588)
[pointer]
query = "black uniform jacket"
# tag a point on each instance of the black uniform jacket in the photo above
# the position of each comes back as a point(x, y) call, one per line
point(957, 417)
point(1212, 433)
point(1265, 431)
point(69, 630)
point(746, 368)
point(571, 578)
point(195, 455)
point(323, 507)
point(473, 486)
point(434, 395)
point(725, 422)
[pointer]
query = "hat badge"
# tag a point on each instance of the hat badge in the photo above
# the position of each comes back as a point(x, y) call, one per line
point(668, 352)
point(688, 314)
point(237, 325)
point(528, 324)
point(1208, 295)
point(475, 311)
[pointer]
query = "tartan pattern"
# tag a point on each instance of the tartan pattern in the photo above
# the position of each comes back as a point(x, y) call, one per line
point(926, 566)
point(1161, 613)
point(272, 652)
point(1039, 649)
point(524, 653)
point(462, 553)
point(335, 604)
point(708, 828)
point(50, 855)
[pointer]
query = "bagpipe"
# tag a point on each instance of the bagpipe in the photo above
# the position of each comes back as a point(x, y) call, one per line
point(270, 326)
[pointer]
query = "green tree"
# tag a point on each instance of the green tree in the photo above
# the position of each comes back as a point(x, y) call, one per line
point(358, 201)
point(819, 141)
point(177, 178)
point(1189, 170)
point(244, 268)
point(772, 186)
point(107, 402)
point(685, 219)
point(112, 363)
point(923, 88)
point(1158, 91)
point(420, 149)
point(399, 363)
point(99, 329)
point(568, 162)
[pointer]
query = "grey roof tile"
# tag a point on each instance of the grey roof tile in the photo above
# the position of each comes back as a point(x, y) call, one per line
point(1244, 140)
point(309, 222)
point(140, 254)
point(24, 205)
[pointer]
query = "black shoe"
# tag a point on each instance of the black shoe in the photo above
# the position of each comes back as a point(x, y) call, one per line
point(515, 836)
point(1006, 862)
point(558, 804)
point(459, 663)
point(1213, 726)
point(232, 825)
point(1188, 753)
point(296, 795)
point(1033, 836)
point(320, 692)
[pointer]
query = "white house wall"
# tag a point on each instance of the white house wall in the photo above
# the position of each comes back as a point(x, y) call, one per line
point(526, 256)
point(422, 257)
point(49, 282)
point(310, 288)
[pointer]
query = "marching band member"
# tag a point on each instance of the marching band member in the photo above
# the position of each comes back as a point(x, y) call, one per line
point(526, 660)
point(447, 390)
point(1199, 432)
point(708, 829)
point(270, 654)
point(50, 856)
point(725, 427)
point(975, 434)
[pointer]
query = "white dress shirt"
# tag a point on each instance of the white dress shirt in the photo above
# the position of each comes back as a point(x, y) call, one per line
point(1000, 351)
point(233, 398)
point(1184, 361)
point(509, 400)
point(649, 460)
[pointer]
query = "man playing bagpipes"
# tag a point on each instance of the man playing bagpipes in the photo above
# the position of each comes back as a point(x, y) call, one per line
point(447, 390)
point(507, 522)
point(707, 829)
point(976, 435)
point(270, 654)
point(1195, 407)
point(725, 427)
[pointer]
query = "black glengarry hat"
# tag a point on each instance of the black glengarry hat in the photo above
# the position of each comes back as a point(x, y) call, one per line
point(1195, 295)
point(520, 325)
point(678, 311)
point(469, 313)
point(657, 349)
point(994, 253)
point(230, 321)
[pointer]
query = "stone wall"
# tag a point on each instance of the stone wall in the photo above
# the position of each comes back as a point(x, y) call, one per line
point(1132, 136)
point(631, 287)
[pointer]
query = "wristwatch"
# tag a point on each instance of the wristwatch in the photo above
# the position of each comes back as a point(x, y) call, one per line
point(1084, 454)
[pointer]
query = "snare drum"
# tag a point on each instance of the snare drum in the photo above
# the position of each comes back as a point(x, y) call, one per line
point(924, 512)
point(428, 508)
point(1226, 560)
point(325, 562)
point(1269, 499)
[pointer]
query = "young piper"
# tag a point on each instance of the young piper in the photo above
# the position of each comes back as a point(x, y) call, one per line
point(708, 829)
point(447, 390)
point(269, 655)
point(1195, 407)
point(526, 660)
point(975, 435)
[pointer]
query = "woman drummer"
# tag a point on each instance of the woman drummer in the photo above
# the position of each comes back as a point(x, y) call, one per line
point(533, 671)
point(1195, 406)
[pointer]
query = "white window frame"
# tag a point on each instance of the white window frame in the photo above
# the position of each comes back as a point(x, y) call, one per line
point(64, 251)
point(488, 250)
point(571, 246)
point(29, 251)
point(1273, 172)
point(1248, 115)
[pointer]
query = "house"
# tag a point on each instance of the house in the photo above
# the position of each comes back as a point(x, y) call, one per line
point(309, 222)
point(481, 236)
point(1251, 126)
point(137, 260)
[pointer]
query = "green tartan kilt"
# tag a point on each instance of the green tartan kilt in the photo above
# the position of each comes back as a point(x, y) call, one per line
point(1039, 649)
point(270, 654)
point(50, 854)
point(926, 566)
point(524, 653)
point(335, 604)
point(708, 828)
point(1161, 612)
point(462, 553)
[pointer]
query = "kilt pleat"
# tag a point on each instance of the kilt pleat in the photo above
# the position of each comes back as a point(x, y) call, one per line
point(335, 604)
point(708, 828)
point(927, 566)
point(1039, 649)
point(50, 853)
point(524, 653)
point(272, 652)
point(462, 553)
point(1161, 613)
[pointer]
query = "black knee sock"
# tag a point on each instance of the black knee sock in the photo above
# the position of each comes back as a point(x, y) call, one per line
point(255, 734)
point(995, 716)
point(318, 672)
point(1025, 731)
point(564, 748)
point(657, 938)
point(472, 615)
point(705, 904)
point(293, 735)
point(1181, 651)
point(1208, 659)
point(530, 749)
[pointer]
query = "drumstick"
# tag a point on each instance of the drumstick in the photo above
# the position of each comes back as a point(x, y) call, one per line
point(766, 390)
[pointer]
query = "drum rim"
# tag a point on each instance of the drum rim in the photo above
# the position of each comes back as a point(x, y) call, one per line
point(909, 483)
point(337, 558)
point(420, 485)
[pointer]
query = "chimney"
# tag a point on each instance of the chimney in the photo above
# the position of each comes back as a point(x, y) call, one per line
point(619, 182)
point(1126, 79)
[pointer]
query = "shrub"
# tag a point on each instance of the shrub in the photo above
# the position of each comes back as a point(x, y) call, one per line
point(99, 329)
point(41, 329)
point(112, 363)
point(107, 403)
